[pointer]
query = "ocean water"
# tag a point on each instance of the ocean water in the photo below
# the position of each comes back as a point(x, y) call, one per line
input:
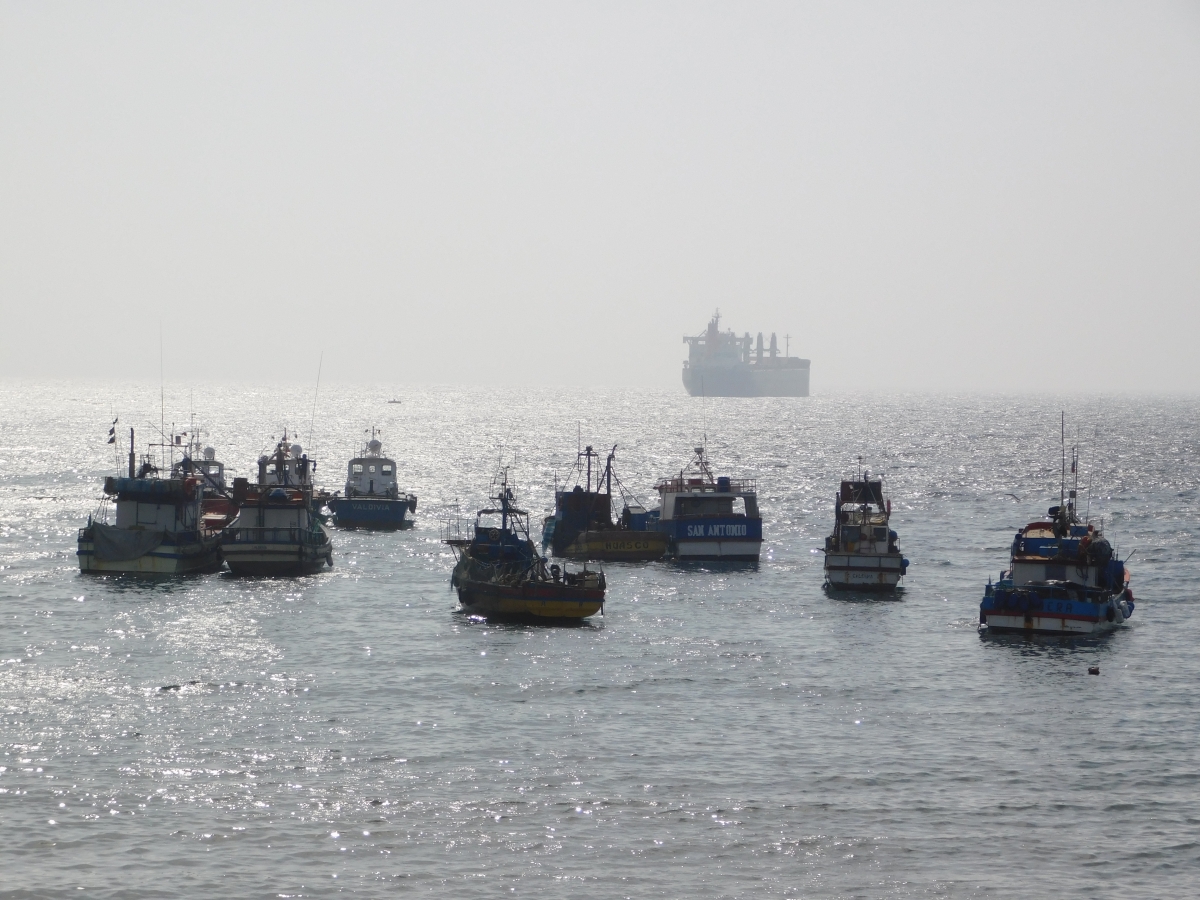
point(719, 732)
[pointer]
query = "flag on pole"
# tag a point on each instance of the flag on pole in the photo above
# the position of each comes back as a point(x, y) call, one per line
point(112, 433)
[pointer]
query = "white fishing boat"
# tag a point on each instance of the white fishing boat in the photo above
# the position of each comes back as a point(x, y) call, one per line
point(277, 530)
point(157, 526)
point(863, 553)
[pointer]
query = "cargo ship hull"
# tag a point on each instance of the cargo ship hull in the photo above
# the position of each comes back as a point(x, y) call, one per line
point(746, 381)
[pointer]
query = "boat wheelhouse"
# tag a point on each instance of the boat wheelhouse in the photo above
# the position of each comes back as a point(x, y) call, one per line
point(863, 552)
point(499, 573)
point(582, 526)
point(372, 497)
point(706, 517)
point(202, 463)
point(1064, 578)
point(158, 526)
point(277, 530)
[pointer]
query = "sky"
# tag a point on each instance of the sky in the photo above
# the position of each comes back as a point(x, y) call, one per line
point(924, 196)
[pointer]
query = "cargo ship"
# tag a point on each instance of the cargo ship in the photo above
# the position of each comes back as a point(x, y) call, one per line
point(721, 364)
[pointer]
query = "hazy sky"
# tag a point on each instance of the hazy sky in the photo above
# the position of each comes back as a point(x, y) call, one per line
point(926, 196)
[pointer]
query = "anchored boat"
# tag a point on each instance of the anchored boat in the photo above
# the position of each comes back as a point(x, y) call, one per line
point(863, 553)
point(158, 526)
point(277, 530)
point(372, 497)
point(202, 463)
point(582, 526)
point(1064, 578)
point(499, 573)
point(707, 517)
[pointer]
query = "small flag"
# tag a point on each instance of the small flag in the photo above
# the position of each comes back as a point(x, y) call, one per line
point(112, 438)
point(112, 432)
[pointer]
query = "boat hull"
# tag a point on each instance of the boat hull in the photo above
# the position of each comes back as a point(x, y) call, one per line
point(747, 381)
point(165, 559)
point(371, 513)
point(855, 572)
point(736, 538)
point(276, 551)
point(617, 545)
point(1003, 613)
point(542, 600)
point(276, 560)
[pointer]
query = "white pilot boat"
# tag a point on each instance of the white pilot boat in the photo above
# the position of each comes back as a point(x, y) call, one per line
point(277, 530)
point(373, 498)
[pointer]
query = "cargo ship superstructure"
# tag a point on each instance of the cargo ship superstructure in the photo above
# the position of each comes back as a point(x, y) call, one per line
point(721, 364)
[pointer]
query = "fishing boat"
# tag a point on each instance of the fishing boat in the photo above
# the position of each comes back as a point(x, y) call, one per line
point(1064, 578)
point(158, 526)
point(863, 553)
point(499, 573)
point(707, 517)
point(218, 508)
point(372, 496)
point(582, 526)
point(277, 530)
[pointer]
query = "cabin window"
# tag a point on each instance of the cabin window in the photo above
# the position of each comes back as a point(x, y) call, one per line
point(881, 534)
point(704, 506)
point(851, 534)
point(386, 470)
point(371, 469)
point(356, 468)
point(1056, 573)
point(214, 470)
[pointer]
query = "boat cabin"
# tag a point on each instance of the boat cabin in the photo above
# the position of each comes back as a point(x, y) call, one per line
point(287, 466)
point(693, 496)
point(371, 475)
point(155, 504)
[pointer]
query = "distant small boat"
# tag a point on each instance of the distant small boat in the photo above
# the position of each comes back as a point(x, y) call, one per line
point(499, 573)
point(863, 553)
point(582, 525)
point(394, 400)
point(372, 497)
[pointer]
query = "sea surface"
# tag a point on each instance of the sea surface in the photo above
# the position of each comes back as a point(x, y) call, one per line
point(719, 732)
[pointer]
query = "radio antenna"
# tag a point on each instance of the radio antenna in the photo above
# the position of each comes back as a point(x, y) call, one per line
point(312, 422)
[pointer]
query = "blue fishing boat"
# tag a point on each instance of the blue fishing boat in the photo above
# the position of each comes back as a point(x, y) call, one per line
point(372, 498)
point(1064, 578)
point(499, 573)
point(705, 516)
